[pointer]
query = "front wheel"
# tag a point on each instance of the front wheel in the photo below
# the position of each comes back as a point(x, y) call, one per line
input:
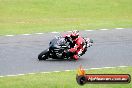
point(43, 55)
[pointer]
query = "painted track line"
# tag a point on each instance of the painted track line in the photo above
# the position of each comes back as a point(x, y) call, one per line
point(54, 32)
point(21, 74)
point(56, 71)
point(119, 28)
point(103, 29)
point(122, 66)
point(1, 76)
point(12, 75)
point(93, 68)
point(9, 35)
point(61, 71)
point(89, 30)
point(26, 34)
point(45, 72)
point(31, 73)
point(39, 33)
point(67, 70)
point(108, 67)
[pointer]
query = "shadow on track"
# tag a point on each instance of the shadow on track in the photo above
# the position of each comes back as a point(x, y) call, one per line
point(61, 60)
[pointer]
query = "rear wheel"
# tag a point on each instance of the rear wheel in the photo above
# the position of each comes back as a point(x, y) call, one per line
point(43, 55)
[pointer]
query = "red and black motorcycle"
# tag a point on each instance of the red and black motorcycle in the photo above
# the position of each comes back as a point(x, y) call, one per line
point(58, 47)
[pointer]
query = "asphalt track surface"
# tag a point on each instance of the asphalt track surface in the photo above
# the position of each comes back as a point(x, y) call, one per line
point(18, 54)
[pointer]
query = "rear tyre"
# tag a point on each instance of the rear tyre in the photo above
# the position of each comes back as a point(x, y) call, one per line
point(43, 55)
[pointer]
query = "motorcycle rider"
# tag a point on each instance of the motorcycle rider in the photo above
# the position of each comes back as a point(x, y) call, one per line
point(77, 45)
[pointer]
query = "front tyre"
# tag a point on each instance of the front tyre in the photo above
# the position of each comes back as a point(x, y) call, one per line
point(43, 55)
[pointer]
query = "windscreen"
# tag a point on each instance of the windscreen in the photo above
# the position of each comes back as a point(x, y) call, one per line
point(61, 41)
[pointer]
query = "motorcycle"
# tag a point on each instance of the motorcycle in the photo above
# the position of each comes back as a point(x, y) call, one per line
point(58, 46)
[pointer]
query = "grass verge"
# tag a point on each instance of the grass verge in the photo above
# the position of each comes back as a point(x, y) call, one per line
point(62, 79)
point(31, 16)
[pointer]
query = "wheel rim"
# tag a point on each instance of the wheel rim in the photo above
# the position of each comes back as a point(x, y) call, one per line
point(43, 56)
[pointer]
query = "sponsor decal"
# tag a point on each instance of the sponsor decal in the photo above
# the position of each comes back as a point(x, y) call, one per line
point(83, 78)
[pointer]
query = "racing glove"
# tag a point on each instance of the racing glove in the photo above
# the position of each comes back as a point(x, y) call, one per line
point(72, 50)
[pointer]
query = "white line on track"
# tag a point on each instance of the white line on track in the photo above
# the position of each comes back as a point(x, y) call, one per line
point(56, 71)
point(94, 68)
point(39, 33)
point(104, 29)
point(63, 71)
point(21, 74)
point(26, 34)
point(9, 35)
point(58, 32)
point(89, 30)
point(67, 70)
point(122, 66)
point(1, 76)
point(12, 75)
point(31, 73)
point(108, 67)
point(45, 72)
point(54, 32)
point(119, 28)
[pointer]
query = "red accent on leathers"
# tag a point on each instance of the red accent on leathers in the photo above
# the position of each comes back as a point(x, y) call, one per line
point(78, 46)
point(75, 57)
point(72, 50)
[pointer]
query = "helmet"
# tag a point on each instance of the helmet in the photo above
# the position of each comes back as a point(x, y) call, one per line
point(75, 34)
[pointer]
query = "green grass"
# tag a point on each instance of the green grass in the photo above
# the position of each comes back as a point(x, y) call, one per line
point(30, 16)
point(62, 80)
